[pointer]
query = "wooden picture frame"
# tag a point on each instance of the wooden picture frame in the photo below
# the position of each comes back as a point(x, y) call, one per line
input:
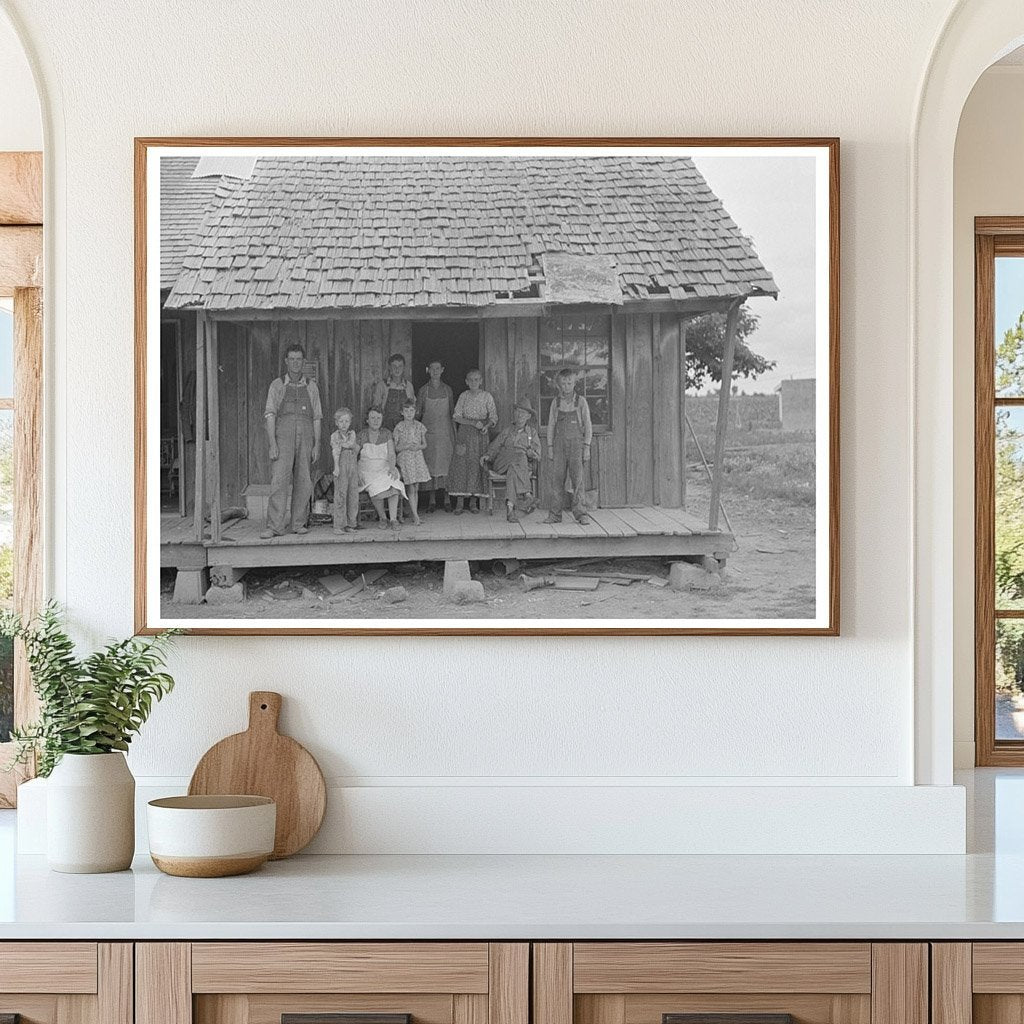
point(650, 491)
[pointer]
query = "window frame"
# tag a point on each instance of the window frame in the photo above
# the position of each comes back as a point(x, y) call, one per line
point(21, 256)
point(994, 237)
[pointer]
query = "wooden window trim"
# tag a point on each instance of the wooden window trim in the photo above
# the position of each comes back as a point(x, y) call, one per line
point(994, 236)
point(21, 270)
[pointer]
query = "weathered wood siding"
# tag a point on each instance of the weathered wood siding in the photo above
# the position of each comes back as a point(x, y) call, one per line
point(639, 461)
point(351, 355)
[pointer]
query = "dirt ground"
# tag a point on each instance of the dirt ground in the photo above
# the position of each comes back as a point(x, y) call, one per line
point(770, 576)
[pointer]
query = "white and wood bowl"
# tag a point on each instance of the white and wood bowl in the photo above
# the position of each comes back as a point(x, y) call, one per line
point(211, 836)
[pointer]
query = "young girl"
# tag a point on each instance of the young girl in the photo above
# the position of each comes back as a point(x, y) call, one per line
point(410, 444)
point(346, 475)
point(378, 474)
point(475, 414)
point(435, 405)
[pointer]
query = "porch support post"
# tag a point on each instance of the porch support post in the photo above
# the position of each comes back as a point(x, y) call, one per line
point(729, 350)
point(213, 417)
point(199, 500)
point(684, 327)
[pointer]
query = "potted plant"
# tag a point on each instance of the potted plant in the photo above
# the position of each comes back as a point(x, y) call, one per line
point(89, 710)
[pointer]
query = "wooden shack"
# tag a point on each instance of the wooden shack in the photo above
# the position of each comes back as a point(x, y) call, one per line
point(518, 266)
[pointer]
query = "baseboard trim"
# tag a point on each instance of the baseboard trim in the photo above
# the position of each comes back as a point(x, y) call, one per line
point(716, 820)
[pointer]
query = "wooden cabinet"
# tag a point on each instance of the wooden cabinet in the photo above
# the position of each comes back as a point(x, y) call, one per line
point(264, 982)
point(758, 982)
point(66, 982)
point(977, 983)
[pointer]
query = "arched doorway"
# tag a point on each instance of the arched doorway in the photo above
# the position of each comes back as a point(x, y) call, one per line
point(976, 34)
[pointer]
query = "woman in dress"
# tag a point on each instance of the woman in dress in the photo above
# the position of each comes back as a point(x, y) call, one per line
point(435, 406)
point(475, 414)
point(378, 472)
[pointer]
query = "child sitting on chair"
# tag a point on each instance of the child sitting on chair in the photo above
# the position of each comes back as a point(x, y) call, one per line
point(513, 453)
point(346, 474)
point(410, 444)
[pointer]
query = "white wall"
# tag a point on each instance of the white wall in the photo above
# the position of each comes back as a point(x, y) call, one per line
point(21, 126)
point(430, 716)
point(987, 182)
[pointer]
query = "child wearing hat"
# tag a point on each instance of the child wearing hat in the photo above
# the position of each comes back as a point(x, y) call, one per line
point(511, 454)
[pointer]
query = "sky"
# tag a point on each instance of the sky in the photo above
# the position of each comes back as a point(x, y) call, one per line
point(771, 199)
point(6, 353)
point(1009, 292)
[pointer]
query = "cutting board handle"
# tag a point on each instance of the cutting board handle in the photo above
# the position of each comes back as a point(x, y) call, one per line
point(264, 710)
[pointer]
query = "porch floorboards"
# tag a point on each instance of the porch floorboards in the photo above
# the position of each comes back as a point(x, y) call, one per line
point(631, 531)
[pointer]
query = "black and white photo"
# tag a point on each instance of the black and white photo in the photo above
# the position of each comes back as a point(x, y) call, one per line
point(449, 387)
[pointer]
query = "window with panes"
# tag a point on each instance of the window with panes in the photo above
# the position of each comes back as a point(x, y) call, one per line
point(580, 342)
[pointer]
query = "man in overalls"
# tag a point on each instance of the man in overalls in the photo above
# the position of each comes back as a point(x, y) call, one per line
point(292, 418)
point(570, 433)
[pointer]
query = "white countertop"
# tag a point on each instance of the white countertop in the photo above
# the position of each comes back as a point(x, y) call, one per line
point(977, 896)
point(516, 897)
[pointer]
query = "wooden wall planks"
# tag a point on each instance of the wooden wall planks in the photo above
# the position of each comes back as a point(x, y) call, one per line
point(638, 412)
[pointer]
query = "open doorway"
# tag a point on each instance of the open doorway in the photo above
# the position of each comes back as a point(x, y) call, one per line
point(456, 343)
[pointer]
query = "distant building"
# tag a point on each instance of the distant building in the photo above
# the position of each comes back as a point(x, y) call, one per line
point(796, 404)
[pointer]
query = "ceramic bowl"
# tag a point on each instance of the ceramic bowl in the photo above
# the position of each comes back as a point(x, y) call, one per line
point(211, 836)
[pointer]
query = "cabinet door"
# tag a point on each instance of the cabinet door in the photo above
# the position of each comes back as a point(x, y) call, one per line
point(66, 982)
point(730, 983)
point(981, 982)
point(332, 983)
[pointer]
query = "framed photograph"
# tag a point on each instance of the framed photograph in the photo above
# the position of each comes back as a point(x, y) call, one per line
point(450, 386)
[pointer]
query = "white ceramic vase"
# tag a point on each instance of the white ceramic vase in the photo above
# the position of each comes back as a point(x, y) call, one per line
point(90, 814)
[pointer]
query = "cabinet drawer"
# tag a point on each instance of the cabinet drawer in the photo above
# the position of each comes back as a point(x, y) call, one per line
point(66, 982)
point(64, 967)
point(634, 967)
point(332, 983)
point(730, 983)
point(340, 967)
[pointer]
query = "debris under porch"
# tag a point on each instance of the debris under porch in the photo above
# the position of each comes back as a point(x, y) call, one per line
point(647, 531)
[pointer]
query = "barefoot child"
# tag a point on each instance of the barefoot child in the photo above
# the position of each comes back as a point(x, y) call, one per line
point(569, 436)
point(378, 474)
point(410, 444)
point(346, 474)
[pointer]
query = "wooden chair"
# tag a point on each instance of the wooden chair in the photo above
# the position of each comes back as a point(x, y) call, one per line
point(495, 480)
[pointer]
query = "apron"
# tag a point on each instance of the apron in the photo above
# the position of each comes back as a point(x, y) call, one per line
point(437, 418)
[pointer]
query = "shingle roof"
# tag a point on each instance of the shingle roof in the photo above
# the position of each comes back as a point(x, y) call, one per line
point(398, 231)
point(183, 201)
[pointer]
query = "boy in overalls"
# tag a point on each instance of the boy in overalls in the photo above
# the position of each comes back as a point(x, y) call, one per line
point(344, 448)
point(569, 435)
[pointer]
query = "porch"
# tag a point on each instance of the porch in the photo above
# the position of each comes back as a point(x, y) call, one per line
point(613, 532)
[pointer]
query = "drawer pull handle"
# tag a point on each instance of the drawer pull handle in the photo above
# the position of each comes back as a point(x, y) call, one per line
point(727, 1018)
point(341, 1018)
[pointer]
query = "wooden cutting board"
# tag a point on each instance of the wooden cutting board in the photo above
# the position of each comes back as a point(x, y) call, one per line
point(262, 762)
